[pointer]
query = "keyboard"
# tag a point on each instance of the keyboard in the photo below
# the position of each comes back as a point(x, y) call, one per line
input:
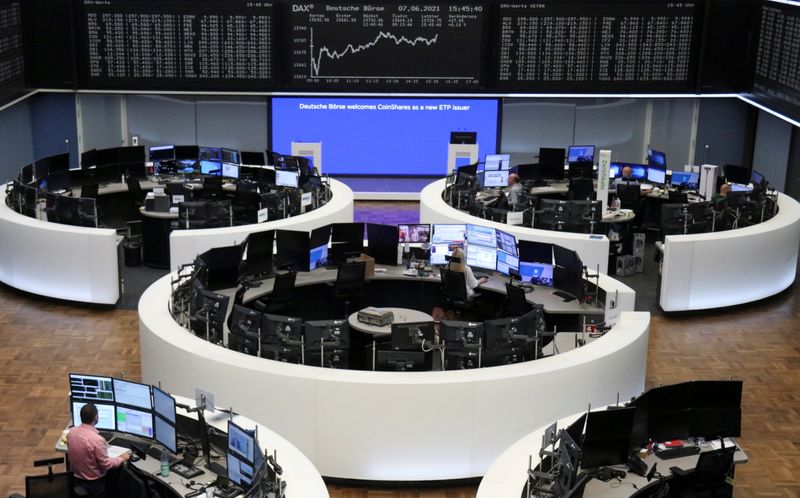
point(155, 452)
point(185, 471)
point(129, 443)
point(670, 453)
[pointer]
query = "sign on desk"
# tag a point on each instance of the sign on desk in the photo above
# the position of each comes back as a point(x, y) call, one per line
point(515, 218)
point(263, 214)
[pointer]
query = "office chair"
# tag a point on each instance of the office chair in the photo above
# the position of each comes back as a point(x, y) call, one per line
point(132, 486)
point(135, 192)
point(581, 189)
point(678, 197)
point(90, 191)
point(454, 290)
point(707, 480)
point(50, 207)
point(50, 485)
point(175, 188)
point(212, 186)
point(87, 212)
point(350, 279)
point(516, 303)
point(282, 294)
point(245, 207)
point(629, 195)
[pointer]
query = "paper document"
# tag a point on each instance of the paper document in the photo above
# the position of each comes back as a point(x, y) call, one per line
point(116, 451)
point(716, 444)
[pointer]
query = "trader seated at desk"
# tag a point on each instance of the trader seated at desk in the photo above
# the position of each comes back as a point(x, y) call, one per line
point(722, 195)
point(626, 178)
point(515, 190)
point(469, 277)
point(88, 454)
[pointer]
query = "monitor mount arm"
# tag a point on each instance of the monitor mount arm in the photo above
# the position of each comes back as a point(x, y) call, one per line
point(204, 441)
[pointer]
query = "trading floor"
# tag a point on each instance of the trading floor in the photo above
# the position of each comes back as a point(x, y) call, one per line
point(43, 340)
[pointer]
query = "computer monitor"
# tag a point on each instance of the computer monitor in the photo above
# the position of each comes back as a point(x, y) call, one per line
point(318, 257)
point(292, 250)
point(260, 249)
point(552, 156)
point(162, 153)
point(443, 238)
point(420, 233)
point(535, 252)
point(757, 178)
point(656, 159)
point(411, 334)
point(106, 416)
point(506, 242)
point(481, 235)
point(464, 137)
point(187, 152)
point(287, 178)
point(580, 154)
point(735, 187)
point(669, 414)
point(241, 442)
point(580, 170)
point(496, 162)
point(209, 154)
point(567, 258)
point(734, 174)
point(336, 335)
point(614, 170)
point(132, 394)
point(253, 158)
point(230, 156)
point(278, 329)
point(134, 421)
point(575, 430)
point(348, 237)
point(459, 332)
point(206, 303)
point(495, 179)
point(164, 405)
point(91, 388)
point(608, 437)
point(656, 175)
point(88, 159)
point(536, 273)
point(715, 408)
point(507, 262)
point(568, 281)
point(210, 168)
point(383, 241)
point(482, 257)
point(686, 179)
point(240, 472)
point(166, 434)
point(230, 170)
point(246, 322)
point(223, 265)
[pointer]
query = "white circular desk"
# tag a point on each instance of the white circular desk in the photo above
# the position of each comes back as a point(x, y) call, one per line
point(714, 270)
point(82, 264)
point(397, 426)
point(401, 315)
point(593, 249)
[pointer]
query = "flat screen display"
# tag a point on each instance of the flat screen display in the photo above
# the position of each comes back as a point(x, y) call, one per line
point(480, 235)
point(506, 262)
point(685, 179)
point(383, 135)
point(239, 472)
point(536, 273)
point(164, 404)
point(162, 153)
point(414, 233)
point(482, 257)
point(210, 168)
point(166, 435)
point(91, 387)
point(132, 394)
point(136, 422)
point(240, 442)
point(656, 158)
point(284, 178)
point(494, 179)
point(230, 170)
point(494, 162)
point(318, 257)
point(105, 415)
point(506, 242)
point(656, 175)
point(580, 154)
point(445, 234)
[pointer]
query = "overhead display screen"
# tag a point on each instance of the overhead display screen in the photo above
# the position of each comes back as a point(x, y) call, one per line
point(777, 72)
point(592, 46)
point(12, 58)
point(176, 45)
point(382, 135)
point(412, 46)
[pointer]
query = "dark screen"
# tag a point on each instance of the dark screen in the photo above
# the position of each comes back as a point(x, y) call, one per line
point(607, 438)
point(535, 252)
point(223, 266)
point(383, 240)
point(566, 258)
point(260, 246)
point(350, 234)
point(291, 250)
point(777, 70)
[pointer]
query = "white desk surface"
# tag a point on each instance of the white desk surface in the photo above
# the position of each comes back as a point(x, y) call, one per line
point(401, 315)
point(619, 216)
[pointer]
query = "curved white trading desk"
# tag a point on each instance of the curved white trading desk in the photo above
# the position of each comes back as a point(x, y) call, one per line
point(714, 270)
point(82, 264)
point(396, 426)
point(593, 249)
point(60, 261)
point(184, 245)
point(301, 477)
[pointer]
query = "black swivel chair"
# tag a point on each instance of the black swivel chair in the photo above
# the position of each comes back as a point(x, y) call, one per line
point(50, 485)
point(708, 479)
point(515, 301)
point(50, 207)
point(454, 290)
point(135, 192)
point(629, 195)
point(350, 279)
point(581, 189)
point(281, 296)
point(678, 197)
point(90, 191)
point(212, 186)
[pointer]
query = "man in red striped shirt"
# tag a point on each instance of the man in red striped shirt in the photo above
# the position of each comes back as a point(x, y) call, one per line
point(88, 454)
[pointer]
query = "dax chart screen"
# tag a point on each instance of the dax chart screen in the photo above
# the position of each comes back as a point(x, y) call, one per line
point(373, 46)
